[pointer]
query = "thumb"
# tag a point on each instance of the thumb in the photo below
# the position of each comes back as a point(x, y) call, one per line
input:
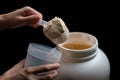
point(32, 20)
point(18, 66)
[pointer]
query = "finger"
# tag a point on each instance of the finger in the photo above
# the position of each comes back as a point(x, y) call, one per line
point(32, 11)
point(30, 16)
point(18, 65)
point(27, 11)
point(49, 76)
point(31, 20)
point(35, 25)
point(42, 68)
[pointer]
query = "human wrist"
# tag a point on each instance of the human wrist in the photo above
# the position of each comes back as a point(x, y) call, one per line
point(2, 21)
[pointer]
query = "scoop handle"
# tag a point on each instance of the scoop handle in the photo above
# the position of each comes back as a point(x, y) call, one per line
point(42, 22)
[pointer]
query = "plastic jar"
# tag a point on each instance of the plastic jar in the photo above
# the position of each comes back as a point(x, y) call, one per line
point(84, 64)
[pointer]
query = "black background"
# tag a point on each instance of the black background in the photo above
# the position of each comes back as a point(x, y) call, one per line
point(96, 18)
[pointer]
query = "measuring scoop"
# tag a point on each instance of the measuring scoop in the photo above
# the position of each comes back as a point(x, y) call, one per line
point(55, 30)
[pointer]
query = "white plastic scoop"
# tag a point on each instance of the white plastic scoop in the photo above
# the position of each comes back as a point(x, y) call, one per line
point(43, 22)
point(55, 30)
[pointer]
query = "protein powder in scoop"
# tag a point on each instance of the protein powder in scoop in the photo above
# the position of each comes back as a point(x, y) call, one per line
point(56, 30)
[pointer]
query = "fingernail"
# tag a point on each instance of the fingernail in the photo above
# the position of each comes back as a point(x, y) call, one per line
point(57, 64)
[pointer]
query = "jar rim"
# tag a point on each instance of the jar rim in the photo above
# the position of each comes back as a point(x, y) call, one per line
point(82, 50)
point(81, 58)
